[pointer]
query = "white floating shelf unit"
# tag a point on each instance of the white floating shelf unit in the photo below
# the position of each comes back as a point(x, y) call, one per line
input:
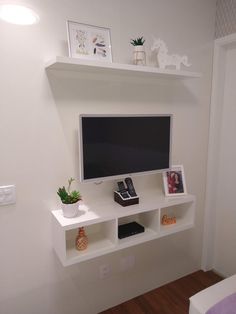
point(101, 219)
point(80, 65)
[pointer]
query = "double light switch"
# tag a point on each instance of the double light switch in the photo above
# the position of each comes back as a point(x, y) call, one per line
point(7, 194)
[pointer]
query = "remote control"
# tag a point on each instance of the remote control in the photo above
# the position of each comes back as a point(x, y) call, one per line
point(130, 187)
point(122, 189)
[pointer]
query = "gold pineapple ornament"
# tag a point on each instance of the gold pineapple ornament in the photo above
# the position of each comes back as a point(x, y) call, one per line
point(81, 241)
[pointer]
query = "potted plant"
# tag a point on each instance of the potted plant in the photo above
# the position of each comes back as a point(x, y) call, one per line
point(70, 200)
point(138, 41)
point(139, 52)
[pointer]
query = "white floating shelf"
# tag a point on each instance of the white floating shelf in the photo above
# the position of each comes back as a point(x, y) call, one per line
point(79, 65)
point(101, 218)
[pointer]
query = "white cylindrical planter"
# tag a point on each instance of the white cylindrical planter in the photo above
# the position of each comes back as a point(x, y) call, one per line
point(70, 210)
point(139, 55)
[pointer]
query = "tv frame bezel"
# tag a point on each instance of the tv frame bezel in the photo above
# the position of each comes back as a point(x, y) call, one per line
point(117, 177)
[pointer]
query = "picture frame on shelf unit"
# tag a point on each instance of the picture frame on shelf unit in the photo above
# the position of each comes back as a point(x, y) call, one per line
point(174, 181)
point(89, 42)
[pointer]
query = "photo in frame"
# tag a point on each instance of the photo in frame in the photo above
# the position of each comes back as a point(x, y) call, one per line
point(89, 42)
point(174, 181)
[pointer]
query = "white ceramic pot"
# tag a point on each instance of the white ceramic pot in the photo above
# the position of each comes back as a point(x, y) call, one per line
point(139, 55)
point(70, 210)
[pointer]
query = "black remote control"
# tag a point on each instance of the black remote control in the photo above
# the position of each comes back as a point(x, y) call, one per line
point(130, 187)
point(122, 189)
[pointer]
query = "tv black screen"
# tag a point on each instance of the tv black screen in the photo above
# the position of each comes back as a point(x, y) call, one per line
point(113, 146)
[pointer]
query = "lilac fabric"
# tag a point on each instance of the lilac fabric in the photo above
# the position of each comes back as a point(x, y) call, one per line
point(225, 306)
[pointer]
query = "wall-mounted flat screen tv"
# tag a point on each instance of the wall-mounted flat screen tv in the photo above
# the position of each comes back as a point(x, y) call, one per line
point(115, 146)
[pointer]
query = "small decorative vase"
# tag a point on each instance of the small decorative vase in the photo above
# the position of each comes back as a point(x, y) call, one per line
point(70, 210)
point(139, 55)
point(81, 241)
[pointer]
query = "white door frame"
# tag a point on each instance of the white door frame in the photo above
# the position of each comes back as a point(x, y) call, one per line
point(218, 82)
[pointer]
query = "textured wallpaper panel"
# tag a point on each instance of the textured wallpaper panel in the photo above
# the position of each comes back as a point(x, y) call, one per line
point(225, 18)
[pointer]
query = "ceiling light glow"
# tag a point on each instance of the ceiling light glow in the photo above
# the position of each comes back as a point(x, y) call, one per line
point(17, 14)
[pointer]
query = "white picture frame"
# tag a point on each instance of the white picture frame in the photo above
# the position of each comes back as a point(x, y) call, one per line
point(89, 42)
point(174, 181)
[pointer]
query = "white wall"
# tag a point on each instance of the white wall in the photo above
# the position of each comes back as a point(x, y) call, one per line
point(38, 123)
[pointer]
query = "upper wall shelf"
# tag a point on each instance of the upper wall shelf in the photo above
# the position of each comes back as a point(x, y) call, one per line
point(77, 65)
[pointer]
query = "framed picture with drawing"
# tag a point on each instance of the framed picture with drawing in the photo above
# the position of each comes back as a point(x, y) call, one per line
point(89, 42)
point(174, 181)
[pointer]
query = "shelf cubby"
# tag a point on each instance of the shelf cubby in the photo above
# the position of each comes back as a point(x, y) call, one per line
point(101, 237)
point(184, 214)
point(148, 219)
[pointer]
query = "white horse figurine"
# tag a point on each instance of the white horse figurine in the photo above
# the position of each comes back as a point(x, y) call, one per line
point(163, 59)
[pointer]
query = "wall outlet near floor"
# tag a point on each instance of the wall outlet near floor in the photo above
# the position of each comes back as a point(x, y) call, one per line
point(7, 194)
point(104, 271)
point(127, 262)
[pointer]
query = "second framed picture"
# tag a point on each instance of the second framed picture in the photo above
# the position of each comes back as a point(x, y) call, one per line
point(89, 42)
point(174, 181)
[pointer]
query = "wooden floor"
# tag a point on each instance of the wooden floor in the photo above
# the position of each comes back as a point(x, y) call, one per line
point(172, 298)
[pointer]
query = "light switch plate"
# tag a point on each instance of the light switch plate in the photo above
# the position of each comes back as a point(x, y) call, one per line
point(7, 194)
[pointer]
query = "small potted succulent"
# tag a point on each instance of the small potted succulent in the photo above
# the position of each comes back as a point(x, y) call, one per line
point(139, 51)
point(138, 41)
point(70, 200)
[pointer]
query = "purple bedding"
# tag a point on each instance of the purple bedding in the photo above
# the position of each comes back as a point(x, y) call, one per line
point(225, 306)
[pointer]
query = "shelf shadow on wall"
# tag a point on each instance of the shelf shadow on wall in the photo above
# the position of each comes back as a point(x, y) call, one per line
point(108, 89)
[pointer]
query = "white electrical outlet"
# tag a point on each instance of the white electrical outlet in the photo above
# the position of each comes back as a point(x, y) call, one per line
point(104, 271)
point(7, 194)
